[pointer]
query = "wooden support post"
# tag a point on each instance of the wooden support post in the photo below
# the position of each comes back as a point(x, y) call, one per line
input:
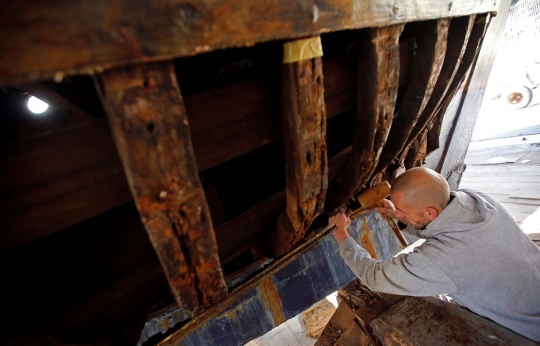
point(377, 80)
point(427, 65)
point(304, 134)
point(149, 124)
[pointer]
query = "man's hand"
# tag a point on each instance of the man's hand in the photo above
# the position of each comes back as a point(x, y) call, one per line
point(342, 222)
point(389, 210)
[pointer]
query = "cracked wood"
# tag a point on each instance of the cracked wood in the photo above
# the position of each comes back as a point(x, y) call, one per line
point(303, 114)
point(149, 124)
point(427, 65)
point(377, 80)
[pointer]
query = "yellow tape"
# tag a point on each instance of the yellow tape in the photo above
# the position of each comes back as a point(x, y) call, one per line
point(308, 48)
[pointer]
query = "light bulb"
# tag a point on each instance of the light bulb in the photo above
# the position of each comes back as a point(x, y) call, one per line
point(35, 105)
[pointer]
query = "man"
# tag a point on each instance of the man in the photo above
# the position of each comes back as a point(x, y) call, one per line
point(474, 251)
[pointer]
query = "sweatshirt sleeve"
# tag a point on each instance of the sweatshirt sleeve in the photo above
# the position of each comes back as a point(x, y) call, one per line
point(412, 274)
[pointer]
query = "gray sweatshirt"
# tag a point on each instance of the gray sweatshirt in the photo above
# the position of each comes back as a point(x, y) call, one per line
point(475, 252)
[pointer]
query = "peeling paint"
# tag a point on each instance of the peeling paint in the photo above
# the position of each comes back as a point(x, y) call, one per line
point(271, 301)
point(366, 242)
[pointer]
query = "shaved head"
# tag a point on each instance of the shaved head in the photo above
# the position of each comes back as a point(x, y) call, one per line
point(421, 188)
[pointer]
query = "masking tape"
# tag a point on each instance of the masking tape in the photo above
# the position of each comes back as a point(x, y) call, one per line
point(304, 49)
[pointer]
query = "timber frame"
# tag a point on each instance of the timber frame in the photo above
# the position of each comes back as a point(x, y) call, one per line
point(391, 74)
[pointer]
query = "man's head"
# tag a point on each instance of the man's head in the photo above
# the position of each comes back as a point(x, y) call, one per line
point(419, 195)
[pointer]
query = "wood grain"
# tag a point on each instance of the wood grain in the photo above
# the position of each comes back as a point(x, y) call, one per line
point(303, 114)
point(427, 64)
point(40, 40)
point(377, 80)
point(151, 132)
point(458, 37)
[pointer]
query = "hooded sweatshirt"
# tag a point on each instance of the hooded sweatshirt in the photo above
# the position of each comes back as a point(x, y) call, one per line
point(475, 252)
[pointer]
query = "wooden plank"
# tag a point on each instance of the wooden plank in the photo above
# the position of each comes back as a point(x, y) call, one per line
point(304, 135)
point(151, 132)
point(221, 130)
point(430, 321)
point(41, 173)
point(427, 65)
point(41, 40)
point(57, 179)
point(458, 37)
point(377, 80)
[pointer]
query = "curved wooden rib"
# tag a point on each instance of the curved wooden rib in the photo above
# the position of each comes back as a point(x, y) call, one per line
point(377, 84)
point(304, 135)
point(473, 46)
point(150, 128)
point(458, 37)
point(427, 65)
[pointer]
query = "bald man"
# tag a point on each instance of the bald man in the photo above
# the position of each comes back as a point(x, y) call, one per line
point(474, 251)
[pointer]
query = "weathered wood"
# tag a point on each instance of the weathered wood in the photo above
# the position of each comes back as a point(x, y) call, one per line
point(239, 234)
point(430, 321)
point(304, 135)
point(396, 320)
point(458, 37)
point(314, 319)
point(473, 45)
point(90, 37)
point(416, 152)
point(460, 135)
point(151, 132)
point(377, 80)
point(41, 173)
point(177, 336)
point(427, 65)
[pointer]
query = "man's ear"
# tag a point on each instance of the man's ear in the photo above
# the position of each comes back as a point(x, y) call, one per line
point(431, 213)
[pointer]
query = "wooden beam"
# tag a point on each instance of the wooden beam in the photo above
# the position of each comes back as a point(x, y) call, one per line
point(458, 37)
point(427, 65)
point(151, 132)
point(377, 80)
point(303, 115)
point(40, 40)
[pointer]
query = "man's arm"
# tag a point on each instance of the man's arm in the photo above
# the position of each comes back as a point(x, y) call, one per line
point(408, 274)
